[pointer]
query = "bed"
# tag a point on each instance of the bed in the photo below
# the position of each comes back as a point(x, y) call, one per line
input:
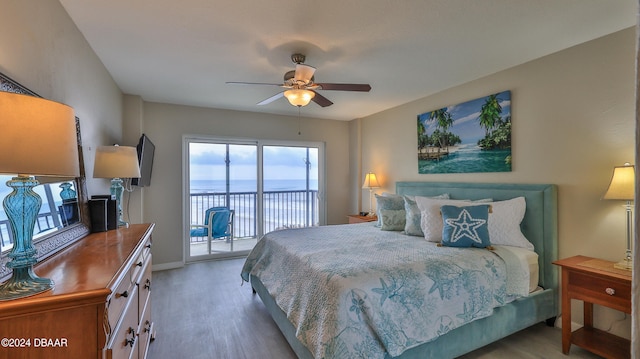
point(305, 316)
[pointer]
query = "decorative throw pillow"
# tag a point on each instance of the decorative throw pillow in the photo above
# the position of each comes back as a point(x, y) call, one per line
point(413, 215)
point(465, 226)
point(388, 201)
point(392, 220)
point(504, 223)
point(430, 219)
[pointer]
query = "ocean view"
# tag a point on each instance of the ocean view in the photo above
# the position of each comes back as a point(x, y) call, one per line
point(217, 186)
point(285, 203)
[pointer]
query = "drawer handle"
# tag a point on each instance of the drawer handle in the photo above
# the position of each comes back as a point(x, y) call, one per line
point(147, 326)
point(131, 341)
point(139, 264)
point(148, 245)
point(610, 291)
point(147, 284)
point(123, 294)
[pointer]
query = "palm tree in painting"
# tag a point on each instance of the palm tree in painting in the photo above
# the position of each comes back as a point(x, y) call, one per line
point(497, 129)
point(442, 117)
point(444, 121)
point(490, 113)
point(423, 136)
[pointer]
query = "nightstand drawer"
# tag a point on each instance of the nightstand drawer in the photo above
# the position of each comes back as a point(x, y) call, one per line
point(601, 288)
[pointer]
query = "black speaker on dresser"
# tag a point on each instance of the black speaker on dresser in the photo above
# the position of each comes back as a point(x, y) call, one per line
point(104, 213)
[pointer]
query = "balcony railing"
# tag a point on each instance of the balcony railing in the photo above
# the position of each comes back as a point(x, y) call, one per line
point(282, 209)
point(44, 223)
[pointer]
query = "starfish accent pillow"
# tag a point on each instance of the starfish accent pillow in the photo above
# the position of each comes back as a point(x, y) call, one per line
point(465, 226)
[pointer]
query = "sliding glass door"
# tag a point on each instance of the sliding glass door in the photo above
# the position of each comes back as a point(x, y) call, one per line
point(290, 176)
point(267, 186)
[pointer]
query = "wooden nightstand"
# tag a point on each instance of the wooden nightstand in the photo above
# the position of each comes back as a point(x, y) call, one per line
point(594, 281)
point(355, 218)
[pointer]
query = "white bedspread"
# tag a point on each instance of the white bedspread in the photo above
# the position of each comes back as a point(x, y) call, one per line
point(356, 291)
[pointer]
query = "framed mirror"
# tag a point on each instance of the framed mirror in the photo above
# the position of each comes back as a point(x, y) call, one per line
point(64, 215)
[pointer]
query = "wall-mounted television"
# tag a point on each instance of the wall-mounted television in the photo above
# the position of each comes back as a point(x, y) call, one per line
point(146, 149)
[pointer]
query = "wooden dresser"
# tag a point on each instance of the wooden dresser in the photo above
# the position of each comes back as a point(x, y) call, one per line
point(100, 306)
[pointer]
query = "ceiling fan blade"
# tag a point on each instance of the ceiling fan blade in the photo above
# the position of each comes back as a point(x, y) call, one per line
point(304, 72)
point(345, 87)
point(251, 83)
point(321, 100)
point(271, 99)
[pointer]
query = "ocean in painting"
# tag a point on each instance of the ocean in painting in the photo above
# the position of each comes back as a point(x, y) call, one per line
point(468, 158)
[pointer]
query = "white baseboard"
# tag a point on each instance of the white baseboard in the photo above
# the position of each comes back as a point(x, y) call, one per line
point(165, 266)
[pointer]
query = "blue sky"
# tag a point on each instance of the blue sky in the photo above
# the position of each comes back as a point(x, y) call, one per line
point(207, 162)
point(465, 117)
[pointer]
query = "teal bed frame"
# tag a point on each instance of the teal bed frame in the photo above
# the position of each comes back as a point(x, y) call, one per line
point(539, 225)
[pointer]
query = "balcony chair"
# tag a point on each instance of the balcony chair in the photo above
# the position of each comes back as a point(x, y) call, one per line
point(218, 224)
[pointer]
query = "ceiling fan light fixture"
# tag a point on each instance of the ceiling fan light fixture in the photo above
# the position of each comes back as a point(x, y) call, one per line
point(299, 97)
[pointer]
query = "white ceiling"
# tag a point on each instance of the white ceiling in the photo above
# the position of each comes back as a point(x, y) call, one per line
point(183, 52)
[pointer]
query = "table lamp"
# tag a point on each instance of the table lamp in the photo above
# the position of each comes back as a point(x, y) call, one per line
point(370, 182)
point(116, 162)
point(622, 187)
point(37, 137)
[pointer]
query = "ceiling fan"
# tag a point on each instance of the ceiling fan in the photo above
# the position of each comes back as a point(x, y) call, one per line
point(301, 88)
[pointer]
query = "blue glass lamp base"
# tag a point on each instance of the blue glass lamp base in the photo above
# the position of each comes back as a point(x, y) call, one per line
point(116, 191)
point(22, 206)
point(24, 283)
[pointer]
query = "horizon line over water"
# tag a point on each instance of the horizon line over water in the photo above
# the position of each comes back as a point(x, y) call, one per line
point(208, 186)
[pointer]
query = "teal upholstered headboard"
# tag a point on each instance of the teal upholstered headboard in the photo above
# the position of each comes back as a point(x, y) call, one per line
point(540, 223)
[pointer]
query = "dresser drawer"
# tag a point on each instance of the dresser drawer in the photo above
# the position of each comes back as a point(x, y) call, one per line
point(144, 284)
point(600, 289)
point(145, 329)
point(140, 260)
point(123, 343)
point(118, 300)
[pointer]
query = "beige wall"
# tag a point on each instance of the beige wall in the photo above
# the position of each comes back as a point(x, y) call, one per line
point(166, 124)
point(573, 120)
point(41, 48)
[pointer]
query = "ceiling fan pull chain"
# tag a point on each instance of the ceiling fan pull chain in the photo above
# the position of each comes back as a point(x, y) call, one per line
point(299, 132)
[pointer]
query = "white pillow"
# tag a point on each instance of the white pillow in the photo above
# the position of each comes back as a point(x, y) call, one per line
point(504, 220)
point(504, 223)
point(430, 218)
point(413, 215)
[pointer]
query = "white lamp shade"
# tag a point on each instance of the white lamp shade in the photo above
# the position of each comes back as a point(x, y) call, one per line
point(37, 137)
point(622, 185)
point(116, 162)
point(299, 97)
point(370, 181)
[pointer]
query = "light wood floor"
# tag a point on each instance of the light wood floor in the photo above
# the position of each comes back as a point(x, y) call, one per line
point(201, 311)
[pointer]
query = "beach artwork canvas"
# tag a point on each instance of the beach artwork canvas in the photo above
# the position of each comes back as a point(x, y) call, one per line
point(474, 136)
